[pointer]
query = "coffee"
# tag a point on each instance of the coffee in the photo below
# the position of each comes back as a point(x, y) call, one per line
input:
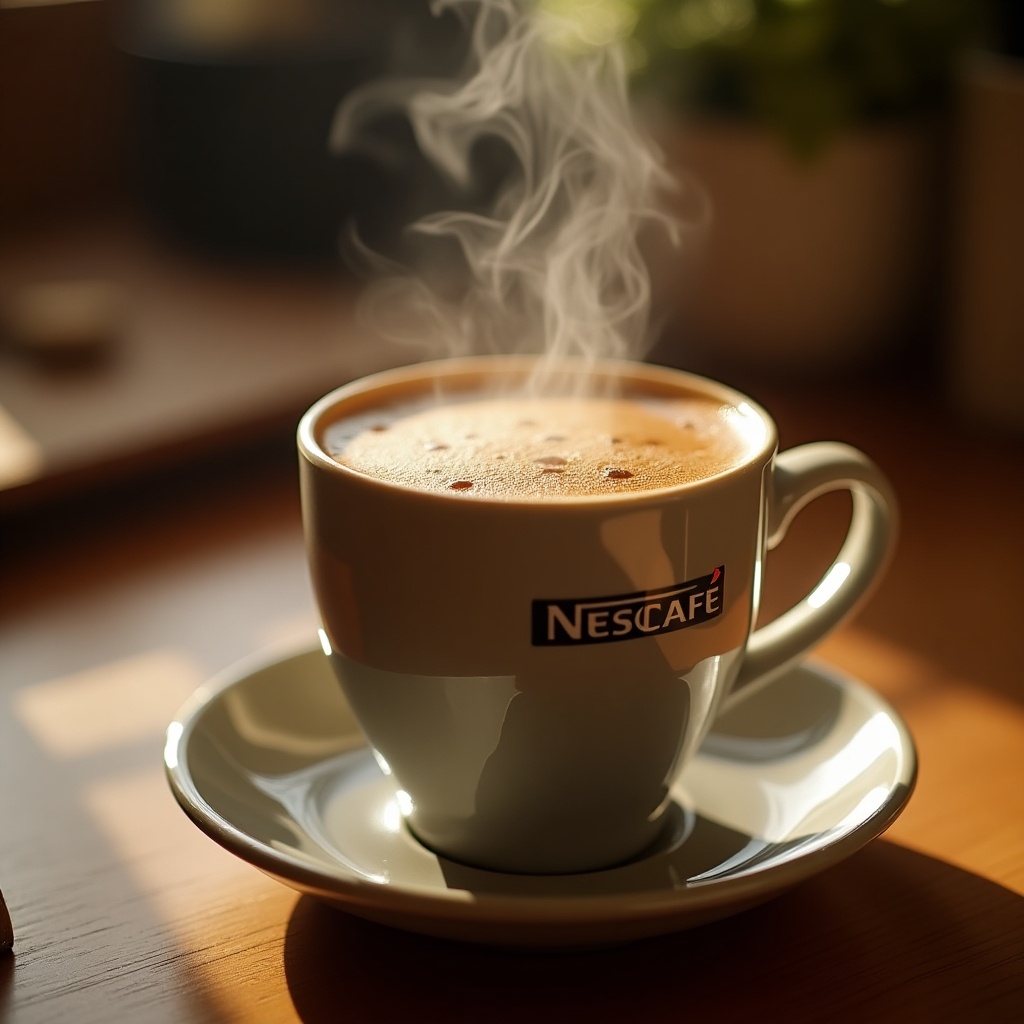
point(537, 448)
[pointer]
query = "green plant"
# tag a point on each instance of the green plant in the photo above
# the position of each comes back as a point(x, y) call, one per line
point(806, 68)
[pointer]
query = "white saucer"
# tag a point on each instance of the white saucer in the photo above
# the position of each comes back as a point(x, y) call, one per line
point(267, 759)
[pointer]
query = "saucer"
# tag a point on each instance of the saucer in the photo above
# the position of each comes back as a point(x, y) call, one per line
point(267, 759)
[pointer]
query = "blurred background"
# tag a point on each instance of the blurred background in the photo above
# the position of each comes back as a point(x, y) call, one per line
point(172, 298)
point(170, 212)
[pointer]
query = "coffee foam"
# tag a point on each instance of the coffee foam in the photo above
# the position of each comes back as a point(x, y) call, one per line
point(535, 448)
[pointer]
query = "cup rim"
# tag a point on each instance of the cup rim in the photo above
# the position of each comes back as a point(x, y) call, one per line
point(470, 368)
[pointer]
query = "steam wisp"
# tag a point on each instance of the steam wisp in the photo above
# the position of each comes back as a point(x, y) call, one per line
point(555, 265)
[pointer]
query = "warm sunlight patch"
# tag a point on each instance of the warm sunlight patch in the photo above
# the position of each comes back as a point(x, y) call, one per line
point(21, 458)
point(110, 705)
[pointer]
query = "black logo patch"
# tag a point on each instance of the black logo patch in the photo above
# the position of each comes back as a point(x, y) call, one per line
point(561, 622)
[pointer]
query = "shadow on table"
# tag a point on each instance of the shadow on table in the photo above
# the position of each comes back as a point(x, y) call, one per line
point(889, 935)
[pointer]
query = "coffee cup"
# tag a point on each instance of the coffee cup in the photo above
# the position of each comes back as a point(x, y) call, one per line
point(537, 599)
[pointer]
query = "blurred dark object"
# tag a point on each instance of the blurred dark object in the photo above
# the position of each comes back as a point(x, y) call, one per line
point(65, 323)
point(63, 112)
point(985, 337)
point(1008, 28)
point(234, 107)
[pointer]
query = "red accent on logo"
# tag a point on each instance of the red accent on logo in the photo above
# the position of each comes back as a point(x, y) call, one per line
point(716, 574)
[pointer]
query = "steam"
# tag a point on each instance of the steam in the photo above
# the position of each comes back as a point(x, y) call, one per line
point(554, 264)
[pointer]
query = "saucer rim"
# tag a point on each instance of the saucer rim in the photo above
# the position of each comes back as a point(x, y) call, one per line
point(346, 889)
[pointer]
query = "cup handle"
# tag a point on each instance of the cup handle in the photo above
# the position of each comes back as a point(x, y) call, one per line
point(798, 477)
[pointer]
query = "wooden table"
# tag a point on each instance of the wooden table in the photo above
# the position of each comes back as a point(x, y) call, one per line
point(115, 607)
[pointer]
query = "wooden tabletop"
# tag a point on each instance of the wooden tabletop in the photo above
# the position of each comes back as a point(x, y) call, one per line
point(115, 606)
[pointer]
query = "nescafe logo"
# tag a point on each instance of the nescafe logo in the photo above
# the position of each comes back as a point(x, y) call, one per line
point(562, 622)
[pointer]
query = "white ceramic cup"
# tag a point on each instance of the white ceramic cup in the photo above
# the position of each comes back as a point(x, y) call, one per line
point(498, 653)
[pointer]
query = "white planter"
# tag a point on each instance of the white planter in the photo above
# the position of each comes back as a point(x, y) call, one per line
point(812, 264)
